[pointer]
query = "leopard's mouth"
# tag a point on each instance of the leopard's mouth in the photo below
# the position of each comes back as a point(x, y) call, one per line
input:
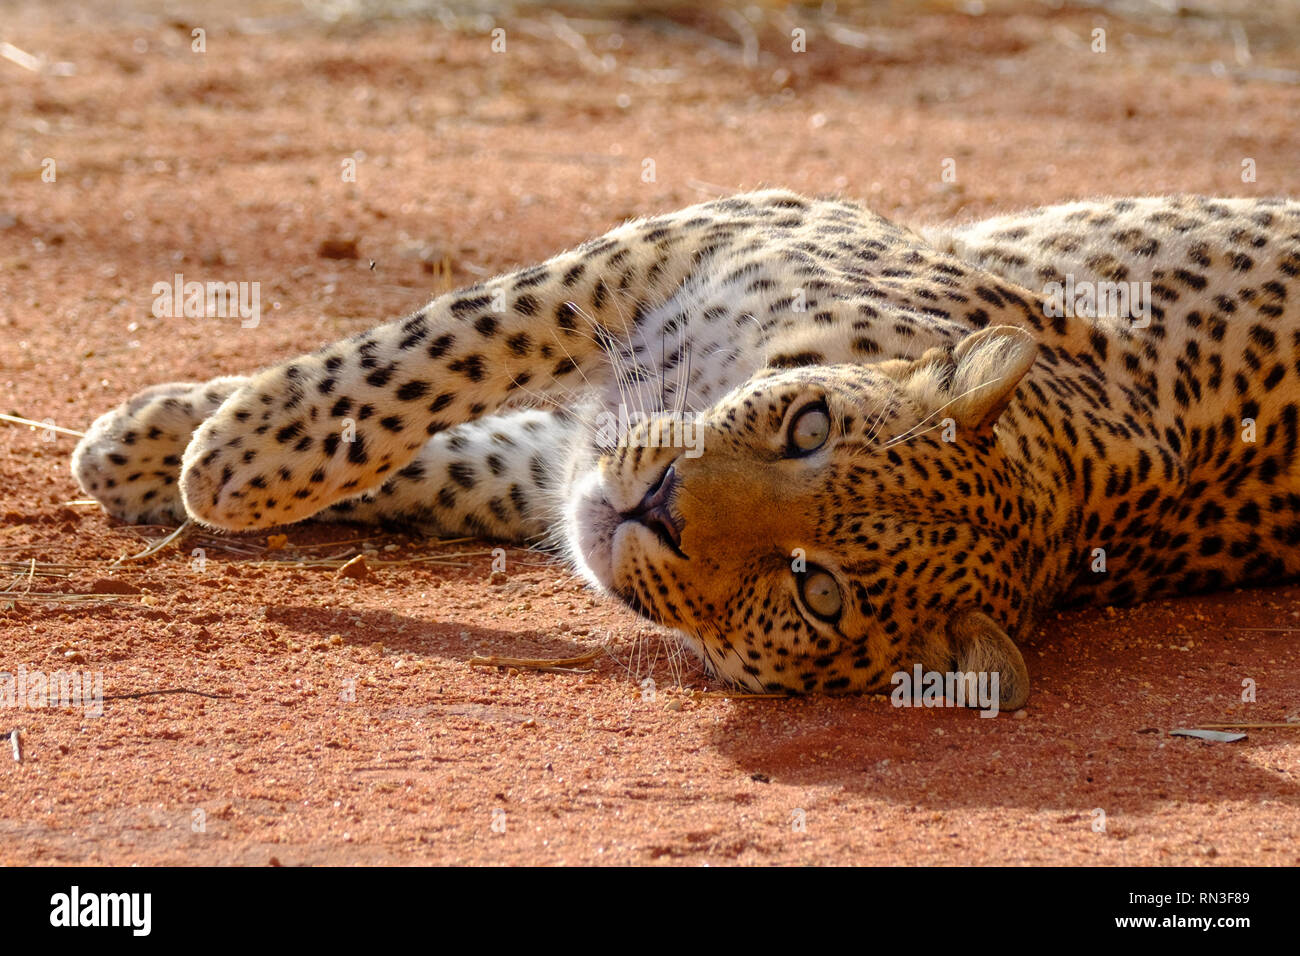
point(603, 541)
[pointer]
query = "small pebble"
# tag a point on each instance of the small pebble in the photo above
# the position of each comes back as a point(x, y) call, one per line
point(356, 569)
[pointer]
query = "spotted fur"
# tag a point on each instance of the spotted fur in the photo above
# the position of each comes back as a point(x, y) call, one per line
point(980, 458)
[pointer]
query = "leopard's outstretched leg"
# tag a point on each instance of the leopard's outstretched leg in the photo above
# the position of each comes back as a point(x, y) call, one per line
point(491, 478)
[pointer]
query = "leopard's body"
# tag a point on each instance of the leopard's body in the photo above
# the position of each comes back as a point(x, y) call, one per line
point(901, 454)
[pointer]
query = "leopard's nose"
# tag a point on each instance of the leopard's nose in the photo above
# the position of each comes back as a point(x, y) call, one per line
point(660, 493)
point(655, 511)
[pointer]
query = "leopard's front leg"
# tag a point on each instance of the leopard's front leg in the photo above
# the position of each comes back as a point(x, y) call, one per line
point(307, 433)
point(499, 477)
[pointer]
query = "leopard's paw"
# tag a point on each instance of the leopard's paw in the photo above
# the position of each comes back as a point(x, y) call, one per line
point(130, 459)
point(296, 439)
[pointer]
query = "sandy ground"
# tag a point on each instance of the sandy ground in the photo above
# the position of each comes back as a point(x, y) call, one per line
point(345, 724)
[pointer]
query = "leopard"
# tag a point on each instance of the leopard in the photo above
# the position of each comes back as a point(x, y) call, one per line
point(821, 447)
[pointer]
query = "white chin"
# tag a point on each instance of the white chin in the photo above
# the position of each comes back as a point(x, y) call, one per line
point(590, 527)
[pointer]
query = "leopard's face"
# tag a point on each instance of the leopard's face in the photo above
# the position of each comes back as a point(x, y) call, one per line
point(821, 539)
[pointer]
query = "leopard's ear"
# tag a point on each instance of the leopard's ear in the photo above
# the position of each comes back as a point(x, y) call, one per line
point(974, 381)
point(978, 645)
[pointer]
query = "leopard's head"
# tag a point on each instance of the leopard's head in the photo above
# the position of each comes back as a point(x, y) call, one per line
point(825, 527)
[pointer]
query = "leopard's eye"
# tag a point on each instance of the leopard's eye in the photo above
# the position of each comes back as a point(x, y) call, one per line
point(809, 429)
point(821, 593)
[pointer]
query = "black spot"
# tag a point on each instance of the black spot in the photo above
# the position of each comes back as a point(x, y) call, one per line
point(289, 432)
point(564, 316)
point(462, 474)
point(1099, 344)
point(412, 340)
point(439, 346)
point(462, 306)
point(357, 451)
point(471, 366)
point(1263, 337)
point(531, 277)
point(796, 360)
point(410, 391)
